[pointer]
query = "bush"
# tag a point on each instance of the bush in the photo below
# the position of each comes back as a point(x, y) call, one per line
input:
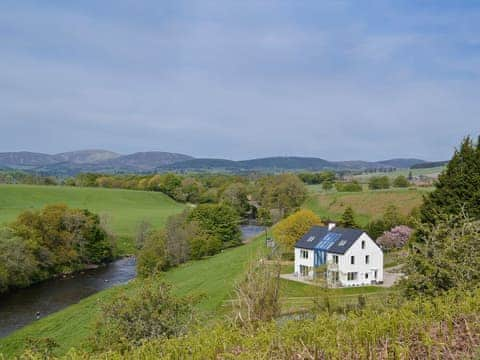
point(401, 182)
point(353, 186)
point(396, 238)
point(379, 182)
point(152, 313)
point(152, 258)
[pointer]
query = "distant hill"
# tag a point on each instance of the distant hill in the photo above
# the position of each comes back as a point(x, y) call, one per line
point(74, 162)
point(401, 163)
point(87, 156)
point(430, 164)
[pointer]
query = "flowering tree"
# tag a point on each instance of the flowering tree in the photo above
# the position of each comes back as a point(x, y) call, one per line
point(397, 237)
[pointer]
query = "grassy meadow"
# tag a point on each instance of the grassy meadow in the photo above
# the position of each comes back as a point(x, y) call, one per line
point(124, 209)
point(367, 205)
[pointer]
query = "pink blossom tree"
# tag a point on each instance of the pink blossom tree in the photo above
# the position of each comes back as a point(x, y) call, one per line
point(396, 238)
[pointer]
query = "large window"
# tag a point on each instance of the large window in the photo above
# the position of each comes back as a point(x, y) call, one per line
point(304, 270)
point(304, 254)
point(352, 276)
point(352, 260)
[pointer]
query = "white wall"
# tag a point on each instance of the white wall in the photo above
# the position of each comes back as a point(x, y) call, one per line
point(306, 262)
point(360, 267)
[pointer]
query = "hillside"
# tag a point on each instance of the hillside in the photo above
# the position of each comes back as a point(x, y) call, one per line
point(74, 162)
point(124, 209)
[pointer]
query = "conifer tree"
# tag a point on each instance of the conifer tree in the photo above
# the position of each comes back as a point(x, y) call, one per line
point(348, 218)
point(458, 186)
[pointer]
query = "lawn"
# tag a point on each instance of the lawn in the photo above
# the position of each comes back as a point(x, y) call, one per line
point(124, 209)
point(367, 205)
point(213, 278)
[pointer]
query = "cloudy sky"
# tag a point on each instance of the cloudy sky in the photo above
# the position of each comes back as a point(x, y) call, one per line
point(240, 79)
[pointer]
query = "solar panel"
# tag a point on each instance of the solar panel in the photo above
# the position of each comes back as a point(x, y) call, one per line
point(328, 240)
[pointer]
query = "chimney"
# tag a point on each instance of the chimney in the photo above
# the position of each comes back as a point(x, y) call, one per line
point(331, 226)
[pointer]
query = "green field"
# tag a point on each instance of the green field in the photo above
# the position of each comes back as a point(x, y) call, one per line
point(213, 278)
point(393, 174)
point(124, 209)
point(367, 205)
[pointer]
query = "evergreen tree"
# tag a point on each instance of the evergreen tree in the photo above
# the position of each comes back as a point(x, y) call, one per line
point(348, 218)
point(458, 186)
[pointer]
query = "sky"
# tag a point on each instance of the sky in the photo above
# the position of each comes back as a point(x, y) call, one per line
point(240, 79)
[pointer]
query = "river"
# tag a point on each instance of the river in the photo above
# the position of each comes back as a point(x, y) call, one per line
point(18, 308)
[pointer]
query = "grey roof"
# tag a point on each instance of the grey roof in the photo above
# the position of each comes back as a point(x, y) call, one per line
point(338, 240)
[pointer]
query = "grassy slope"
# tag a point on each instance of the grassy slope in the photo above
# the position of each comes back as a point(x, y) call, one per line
point(124, 208)
point(213, 277)
point(366, 205)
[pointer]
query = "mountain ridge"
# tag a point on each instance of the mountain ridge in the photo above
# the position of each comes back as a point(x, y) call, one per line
point(97, 160)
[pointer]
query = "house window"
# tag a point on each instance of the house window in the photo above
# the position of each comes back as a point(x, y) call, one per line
point(335, 276)
point(363, 244)
point(352, 260)
point(304, 254)
point(367, 259)
point(335, 259)
point(375, 274)
point(304, 270)
point(352, 276)
point(366, 275)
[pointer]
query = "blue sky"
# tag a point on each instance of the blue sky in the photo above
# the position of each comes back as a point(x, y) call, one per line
point(240, 79)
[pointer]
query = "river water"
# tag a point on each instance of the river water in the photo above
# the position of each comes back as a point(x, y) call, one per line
point(18, 308)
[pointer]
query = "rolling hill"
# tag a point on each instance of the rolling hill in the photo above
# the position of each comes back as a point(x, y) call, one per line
point(74, 162)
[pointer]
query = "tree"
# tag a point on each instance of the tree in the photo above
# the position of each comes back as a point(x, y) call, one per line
point(288, 231)
point(352, 186)
point(236, 196)
point(218, 220)
point(379, 182)
point(143, 228)
point(327, 185)
point(152, 258)
point(396, 238)
point(178, 233)
point(457, 188)
point(401, 182)
point(348, 218)
point(447, 256)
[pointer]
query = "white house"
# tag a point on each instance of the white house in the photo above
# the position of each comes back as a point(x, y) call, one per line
point(349, 257)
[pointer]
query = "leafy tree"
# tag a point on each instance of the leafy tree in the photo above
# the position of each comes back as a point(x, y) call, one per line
point(379, 182)
point(457, 188)
point(152, 313)
point(178, 232)
point(352, 186)
point(219, 221)
point(401, 182)
point(236, 196)
point(288, 231)
point(152, 258)
point(327, 185)
point(143, 229)
point(348, 218)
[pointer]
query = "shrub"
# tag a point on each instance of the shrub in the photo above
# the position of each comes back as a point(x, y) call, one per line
point(379, 182)
point(401, 182)
point(353, 186)
point(152, 258)
point(152, 313)
point(396, 238)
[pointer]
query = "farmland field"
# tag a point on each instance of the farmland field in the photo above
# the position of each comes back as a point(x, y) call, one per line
point(124, 209)
point(367, 205)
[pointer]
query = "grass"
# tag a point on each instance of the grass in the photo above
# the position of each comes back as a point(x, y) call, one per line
point(367, 205)
point(213, 278)
point(393, 174)
point(124, 208)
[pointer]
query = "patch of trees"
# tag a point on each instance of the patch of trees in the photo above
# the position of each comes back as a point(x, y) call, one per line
point(378, 182)
point(21, 177)
point(350, 186)
point(55, 240)
point(193, 234)
point(315, 178)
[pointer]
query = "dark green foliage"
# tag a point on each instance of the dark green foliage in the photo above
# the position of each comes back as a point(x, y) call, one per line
point(401, 182)
point(218, 220)
point(317, 178)
point(390, 219)
point(458, 186)
point(352, 186)
point(447, 256)
point(153, 313)
point(379, 182)
point(348, 218)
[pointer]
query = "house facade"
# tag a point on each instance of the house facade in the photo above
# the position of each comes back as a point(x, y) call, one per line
point(347, 257)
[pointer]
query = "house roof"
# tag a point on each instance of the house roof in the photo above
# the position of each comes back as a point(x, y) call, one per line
point(338, 240)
